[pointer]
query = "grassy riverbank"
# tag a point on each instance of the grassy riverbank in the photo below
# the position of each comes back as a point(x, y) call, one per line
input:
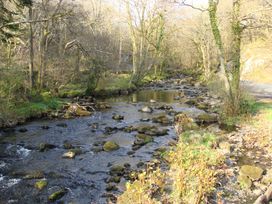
point(191, 177)
point(17, 109)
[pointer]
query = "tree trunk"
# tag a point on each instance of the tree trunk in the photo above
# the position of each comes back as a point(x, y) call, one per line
point(218, 39)
point(31, 50)
point(236, 55)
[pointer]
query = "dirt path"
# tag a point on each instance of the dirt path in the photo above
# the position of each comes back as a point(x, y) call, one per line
point(259, 90)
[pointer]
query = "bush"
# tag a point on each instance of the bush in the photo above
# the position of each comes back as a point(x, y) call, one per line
point(192, 168)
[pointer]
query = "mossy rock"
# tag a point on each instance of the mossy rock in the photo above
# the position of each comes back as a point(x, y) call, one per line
point(163, 119)
point(145, 138)
point(77, 151)
point(110, 146)
point(206, 118)
point(244, 181)
point(114, 179)
point(117, 170)
point(67, 145)
point(82, 112)
point(57, 195)
point(111, 187)
point(144, 128)
point(45, 147)
point(253, 172)
point(118, 117)
point(40, 185)
point(34, 175)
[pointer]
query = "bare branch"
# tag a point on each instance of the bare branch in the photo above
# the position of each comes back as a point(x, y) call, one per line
point(33, 21)
point(184, 3)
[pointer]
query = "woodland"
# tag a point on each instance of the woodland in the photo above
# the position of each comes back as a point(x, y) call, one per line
point(136, 101)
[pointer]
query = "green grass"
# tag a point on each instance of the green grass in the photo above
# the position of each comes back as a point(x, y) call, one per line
point(152, 77)
point(114, 82)
point(265, 108)
point(31, 109)
point(72, 90)
point(198, 138)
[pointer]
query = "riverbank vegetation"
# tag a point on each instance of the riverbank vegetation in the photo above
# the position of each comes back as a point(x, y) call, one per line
point(192, 176)
point(56, 54)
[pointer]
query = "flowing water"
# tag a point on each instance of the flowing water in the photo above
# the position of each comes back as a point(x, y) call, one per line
point(84, 176)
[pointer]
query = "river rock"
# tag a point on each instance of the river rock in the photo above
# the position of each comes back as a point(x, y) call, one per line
point(22, 130)
point(40, 185)
point(206, 118)
point(110, 146)
point(76, 110)
point(102, 105)
point(117, 117)
point(144, 119)
point(192, 102)
point(69, 155)
point(142, 139)
point(67, 145)
point(57, 195)
point(164, 107)
point(146, 109)
point(77, 151)
point(46, 146)
point(114, 179)
point(163, 119)
point(97, 149)
point(129, 129)
point(152, 101)
point(45, 127)
point(253, 172)
point(143, 128)
point(64, 125)
point(111, 187)
point(117, 170)
point(34, 175)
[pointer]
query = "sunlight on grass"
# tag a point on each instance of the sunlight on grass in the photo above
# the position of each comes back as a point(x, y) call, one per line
point(191, 178)
point(114, 82)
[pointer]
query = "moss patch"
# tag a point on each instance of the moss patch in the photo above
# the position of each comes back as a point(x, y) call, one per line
point(41, 184)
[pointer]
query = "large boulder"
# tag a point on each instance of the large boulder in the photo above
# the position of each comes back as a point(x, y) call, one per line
point(110, 146)
point(75, 110)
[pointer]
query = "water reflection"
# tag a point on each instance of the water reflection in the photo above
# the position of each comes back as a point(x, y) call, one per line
point(147, 95)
